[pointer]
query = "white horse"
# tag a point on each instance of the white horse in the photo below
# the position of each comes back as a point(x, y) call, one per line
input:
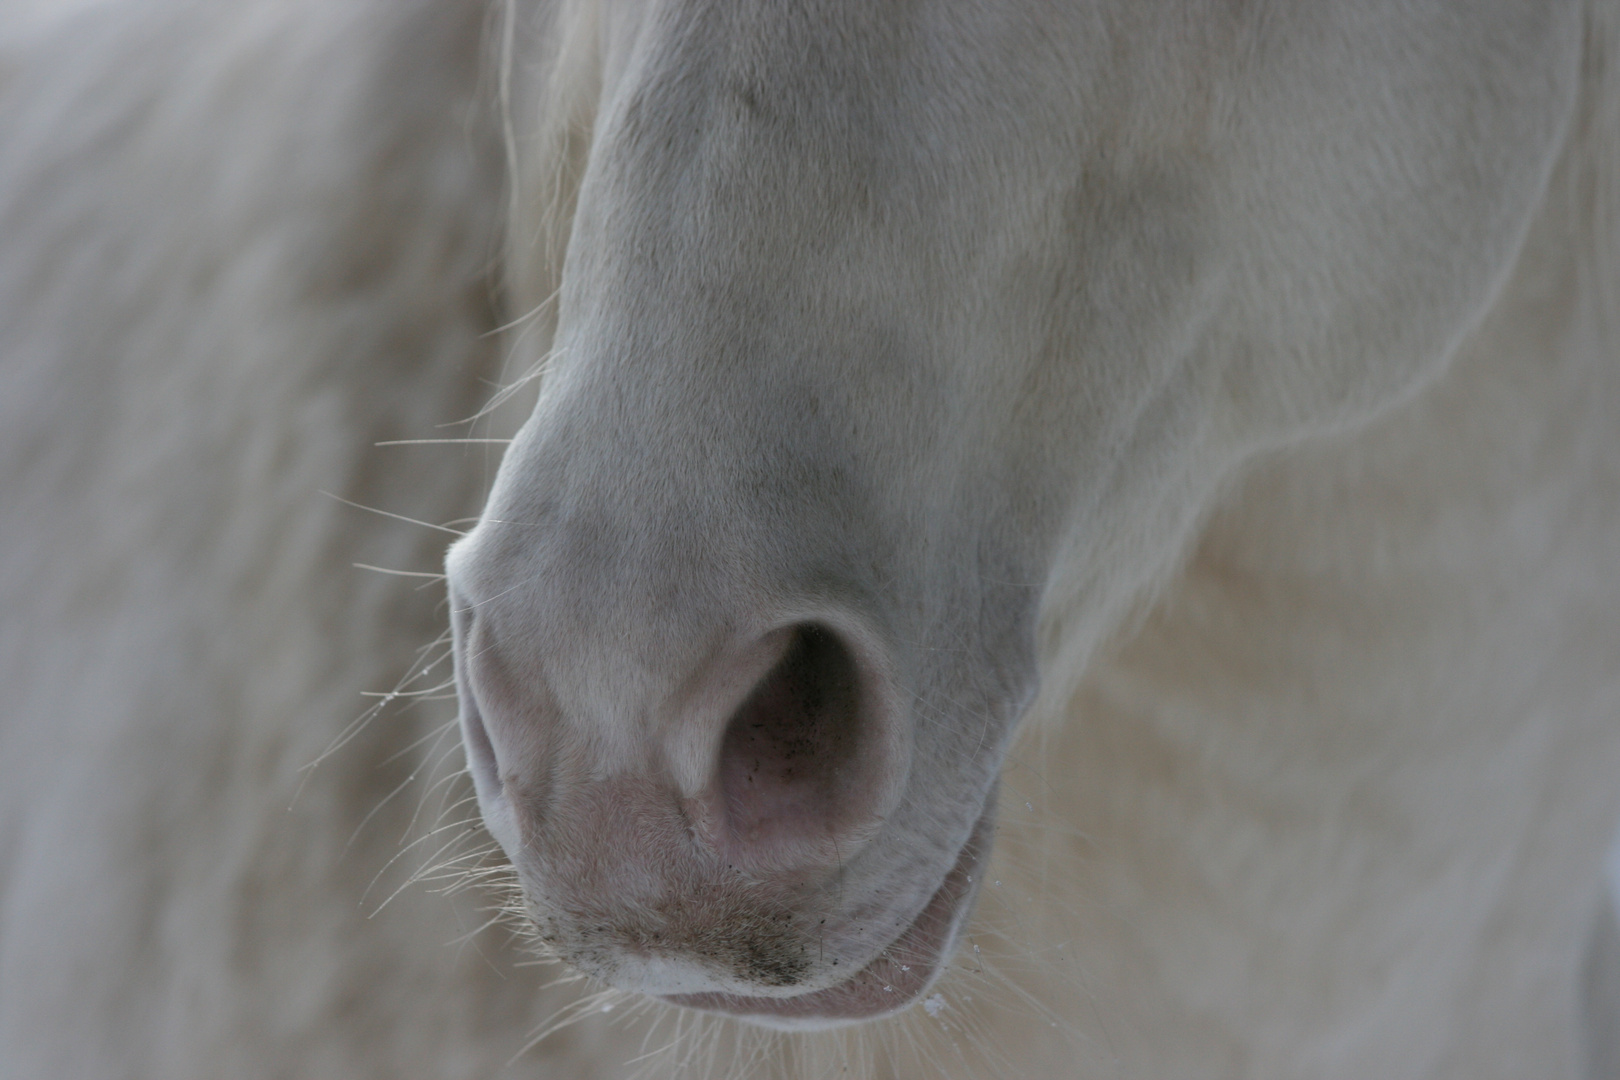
point(1190, 428)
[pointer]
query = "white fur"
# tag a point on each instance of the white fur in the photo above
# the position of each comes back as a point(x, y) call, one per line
point(1321, 507)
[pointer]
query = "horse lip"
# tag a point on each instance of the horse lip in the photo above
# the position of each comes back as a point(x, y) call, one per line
point(900, 973)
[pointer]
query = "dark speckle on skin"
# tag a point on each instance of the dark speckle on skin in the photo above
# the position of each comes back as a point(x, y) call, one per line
point(771, 967)
point(762, 948)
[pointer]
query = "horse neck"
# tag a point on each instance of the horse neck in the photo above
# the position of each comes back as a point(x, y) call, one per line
point(1428, 483)
point(1518, 428)
point(1518, 420)
point(1467, 542)
point(1387, 650)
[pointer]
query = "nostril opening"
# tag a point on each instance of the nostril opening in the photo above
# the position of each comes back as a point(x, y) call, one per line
point(789, 753)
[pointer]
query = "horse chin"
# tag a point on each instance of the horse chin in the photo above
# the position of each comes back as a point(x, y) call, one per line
point(901, 973)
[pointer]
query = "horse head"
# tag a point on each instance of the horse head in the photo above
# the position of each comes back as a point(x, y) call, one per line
point(898, 348)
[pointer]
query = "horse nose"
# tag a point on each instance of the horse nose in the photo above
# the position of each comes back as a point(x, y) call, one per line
point(780, 755)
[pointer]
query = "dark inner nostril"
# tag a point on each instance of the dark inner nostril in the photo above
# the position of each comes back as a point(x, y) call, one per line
point(789, 748)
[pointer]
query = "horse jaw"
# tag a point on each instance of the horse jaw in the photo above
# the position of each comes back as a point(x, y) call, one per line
point(844, 352)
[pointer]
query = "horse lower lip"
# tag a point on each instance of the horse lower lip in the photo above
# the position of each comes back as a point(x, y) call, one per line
point(896, 977)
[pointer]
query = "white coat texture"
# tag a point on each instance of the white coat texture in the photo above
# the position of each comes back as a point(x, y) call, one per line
point(1209, 415)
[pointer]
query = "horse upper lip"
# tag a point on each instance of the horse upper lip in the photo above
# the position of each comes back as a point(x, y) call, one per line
point(900, 972)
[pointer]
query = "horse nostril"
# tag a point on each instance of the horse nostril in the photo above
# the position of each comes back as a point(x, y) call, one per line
point(789, 753)
point(480, 750)
point(481, 761)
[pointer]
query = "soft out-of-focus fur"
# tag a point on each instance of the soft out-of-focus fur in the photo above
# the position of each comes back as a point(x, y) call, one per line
point(241, 243)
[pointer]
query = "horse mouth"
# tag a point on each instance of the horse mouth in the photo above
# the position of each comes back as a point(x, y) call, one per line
point(900, 973)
